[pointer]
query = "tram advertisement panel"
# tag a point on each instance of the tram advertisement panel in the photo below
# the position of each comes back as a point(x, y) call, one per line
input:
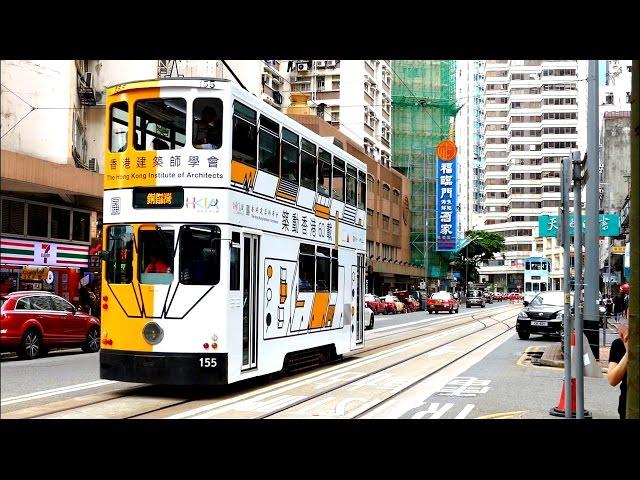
point(446, 197)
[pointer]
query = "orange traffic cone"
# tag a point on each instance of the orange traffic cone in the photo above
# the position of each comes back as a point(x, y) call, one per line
point(559, 410)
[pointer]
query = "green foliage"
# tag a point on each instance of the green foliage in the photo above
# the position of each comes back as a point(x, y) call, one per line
point(481, 248)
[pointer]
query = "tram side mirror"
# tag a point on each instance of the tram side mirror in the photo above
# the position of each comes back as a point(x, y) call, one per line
point(526, 304)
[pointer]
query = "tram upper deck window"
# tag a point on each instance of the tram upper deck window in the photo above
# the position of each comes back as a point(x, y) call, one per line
point(120, 242)
point(268, 146)
point(207, 123)
point(362, 190)
point(352, 184)
point(308, 165)
point(245, 134)
point(160, 124)
point(155, 256)
point(200, 254)
point(338, 179)
point(119, 127)
point(324, 173)
point(289, 167)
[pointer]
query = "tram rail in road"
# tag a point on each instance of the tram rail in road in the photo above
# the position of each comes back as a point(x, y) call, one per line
point(136, 402)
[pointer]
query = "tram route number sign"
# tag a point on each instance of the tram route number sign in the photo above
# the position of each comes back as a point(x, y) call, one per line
point(206, 362)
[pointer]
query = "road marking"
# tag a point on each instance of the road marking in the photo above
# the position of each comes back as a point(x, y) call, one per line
point(54, 391)
point(434, 409)
point(504, 415)
point(325, 374)
point(465, 411)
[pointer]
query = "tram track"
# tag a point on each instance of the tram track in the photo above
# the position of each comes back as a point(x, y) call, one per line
point(145, 391)
point(388, 367)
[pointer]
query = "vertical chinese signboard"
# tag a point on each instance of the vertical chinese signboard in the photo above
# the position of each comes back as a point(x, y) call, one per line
point(446, 197)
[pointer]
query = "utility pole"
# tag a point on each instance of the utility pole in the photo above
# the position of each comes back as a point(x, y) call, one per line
point(426, 222)
point(566, 244)
point(633, 401)
point(577, 247)
point(592, 234)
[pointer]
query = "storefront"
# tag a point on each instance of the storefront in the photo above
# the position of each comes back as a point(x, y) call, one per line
point(36, 265)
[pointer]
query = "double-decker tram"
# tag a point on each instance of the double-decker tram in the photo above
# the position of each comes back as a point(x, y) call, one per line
point(234, 237)
point(536, 276)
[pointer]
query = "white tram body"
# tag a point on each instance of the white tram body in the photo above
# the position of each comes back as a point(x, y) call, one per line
point(218, 259)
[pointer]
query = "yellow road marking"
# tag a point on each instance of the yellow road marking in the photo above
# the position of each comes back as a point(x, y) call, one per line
point(503, 415)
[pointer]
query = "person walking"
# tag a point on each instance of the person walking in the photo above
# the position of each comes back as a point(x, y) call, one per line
point(617, 306)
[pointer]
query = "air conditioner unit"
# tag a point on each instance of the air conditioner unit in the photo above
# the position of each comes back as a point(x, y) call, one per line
point(331, 63)
point(320, 63)
point(265, 78)
point(302, 67)
point(88, 79)
point(92, 165)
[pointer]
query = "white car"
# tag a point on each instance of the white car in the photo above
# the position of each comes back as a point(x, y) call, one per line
point(368, 315)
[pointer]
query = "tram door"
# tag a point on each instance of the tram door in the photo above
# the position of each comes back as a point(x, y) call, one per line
point(250, 284)
point(357, 322)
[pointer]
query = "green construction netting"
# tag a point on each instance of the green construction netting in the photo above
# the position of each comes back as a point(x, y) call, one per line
point(423, 100)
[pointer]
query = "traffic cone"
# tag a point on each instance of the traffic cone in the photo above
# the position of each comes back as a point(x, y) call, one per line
point(559, 409)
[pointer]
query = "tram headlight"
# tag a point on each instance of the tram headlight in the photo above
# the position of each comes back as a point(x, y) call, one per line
point(152, 333)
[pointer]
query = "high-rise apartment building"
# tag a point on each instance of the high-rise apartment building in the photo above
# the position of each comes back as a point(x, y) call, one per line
point(533, 118)
point(469, 136)
point(352, 95)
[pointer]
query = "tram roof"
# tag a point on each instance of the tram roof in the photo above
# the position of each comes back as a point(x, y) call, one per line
point(536, 259)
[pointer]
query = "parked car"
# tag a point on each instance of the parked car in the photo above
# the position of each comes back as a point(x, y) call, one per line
point(442, 302)
point(399, 306)
point(475, 298)
point(368, 318)
point(33, 322)
point(543, 315)
point(488, 298)
point(374, 303)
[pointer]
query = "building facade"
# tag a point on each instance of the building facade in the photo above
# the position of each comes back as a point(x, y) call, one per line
point(469, 136)
point(534, 116)
point(51, 189)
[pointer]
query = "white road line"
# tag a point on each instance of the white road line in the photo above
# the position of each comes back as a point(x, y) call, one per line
point(54, 391)
point(465, 411)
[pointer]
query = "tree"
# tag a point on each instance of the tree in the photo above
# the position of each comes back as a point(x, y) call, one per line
point(481, 248)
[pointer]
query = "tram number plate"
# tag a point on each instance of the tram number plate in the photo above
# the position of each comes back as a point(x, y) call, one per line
point(539, 324)
point(208, 362)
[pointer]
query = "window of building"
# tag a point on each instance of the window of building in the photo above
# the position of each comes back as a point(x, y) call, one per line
point(13, 216)
point(160, 123)
point(385, 222)
point(609, 99)
point(396, 226)
point(385, 191)
point(60, 223)
point(37, 220)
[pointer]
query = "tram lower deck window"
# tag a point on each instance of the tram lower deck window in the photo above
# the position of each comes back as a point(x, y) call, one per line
point(120, 247)
point(155, 255)
point(200, 255)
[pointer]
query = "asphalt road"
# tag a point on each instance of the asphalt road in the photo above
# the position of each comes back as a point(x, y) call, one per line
point(74, 370)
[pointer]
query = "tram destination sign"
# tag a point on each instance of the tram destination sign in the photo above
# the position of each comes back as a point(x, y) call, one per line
point(550, 225)
point(158, 197)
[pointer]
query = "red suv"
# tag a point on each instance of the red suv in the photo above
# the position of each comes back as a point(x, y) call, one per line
point(32, 322)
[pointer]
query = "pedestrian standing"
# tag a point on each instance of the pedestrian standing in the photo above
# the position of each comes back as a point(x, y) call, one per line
point(618, 358)
point(617, 306)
